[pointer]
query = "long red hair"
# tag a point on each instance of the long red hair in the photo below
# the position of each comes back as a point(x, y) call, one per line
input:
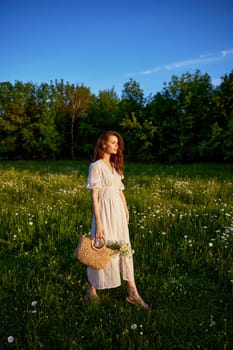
point(116, 159)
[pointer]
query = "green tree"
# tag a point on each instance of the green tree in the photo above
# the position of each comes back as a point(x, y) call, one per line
point(161, 110)
point(27, 126)
point(77, 100)
point(211, 148)
point(103, 114)
point(139, 138)
point(17, 108)
point(62, 122)
point(41, 139)
point(132, 92)
point(223, 113)
point(8, 120)
point(191, 113)
point(188, 121)
point(132, 100)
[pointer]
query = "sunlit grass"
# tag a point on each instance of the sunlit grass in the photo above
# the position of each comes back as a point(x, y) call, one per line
point(181, 226)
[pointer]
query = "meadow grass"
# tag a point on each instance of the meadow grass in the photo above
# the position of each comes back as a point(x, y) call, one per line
point(181, 227)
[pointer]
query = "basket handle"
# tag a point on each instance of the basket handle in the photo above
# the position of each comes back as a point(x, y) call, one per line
point(93, 242)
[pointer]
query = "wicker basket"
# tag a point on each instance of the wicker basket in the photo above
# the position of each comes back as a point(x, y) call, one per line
point(92, 256)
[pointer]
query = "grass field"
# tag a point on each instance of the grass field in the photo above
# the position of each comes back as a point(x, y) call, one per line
point(181, 226)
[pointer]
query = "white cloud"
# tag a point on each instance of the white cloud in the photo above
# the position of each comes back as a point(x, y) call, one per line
point(227, 52)
point(203, 59)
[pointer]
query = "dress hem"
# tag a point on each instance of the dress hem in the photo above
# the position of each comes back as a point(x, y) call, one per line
point(102, 288)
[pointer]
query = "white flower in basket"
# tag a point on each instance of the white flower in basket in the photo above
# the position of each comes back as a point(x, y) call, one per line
point(123, 249)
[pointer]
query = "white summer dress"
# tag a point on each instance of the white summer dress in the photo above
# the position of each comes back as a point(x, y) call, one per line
point(113, 217)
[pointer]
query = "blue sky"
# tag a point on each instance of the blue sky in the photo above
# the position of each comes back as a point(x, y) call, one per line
point(102, 44)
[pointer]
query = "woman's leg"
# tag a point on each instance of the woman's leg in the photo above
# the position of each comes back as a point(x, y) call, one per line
point(91, 292)
point(133, 292)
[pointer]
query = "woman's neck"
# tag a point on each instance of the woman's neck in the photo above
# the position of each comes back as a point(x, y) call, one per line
point(107, 161)
point(106, 158)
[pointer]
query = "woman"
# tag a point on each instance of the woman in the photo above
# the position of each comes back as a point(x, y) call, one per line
point(110, 216)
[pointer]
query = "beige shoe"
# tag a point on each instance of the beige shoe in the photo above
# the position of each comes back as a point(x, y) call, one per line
point(137, 301)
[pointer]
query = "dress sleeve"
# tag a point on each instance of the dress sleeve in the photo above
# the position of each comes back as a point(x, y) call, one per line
point(94, 177)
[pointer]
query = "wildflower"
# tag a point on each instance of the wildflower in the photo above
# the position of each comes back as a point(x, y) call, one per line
point(124, 249)
point(10, 339)
point(34, 311)
point(34, 303)
point(212, 322)
point(211, 244)
point(134, 326)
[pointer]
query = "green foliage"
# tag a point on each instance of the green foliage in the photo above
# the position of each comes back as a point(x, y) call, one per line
point(228, 141)
point(191, 113)
point(139, 138)
point(211, 148)
point(225, 94)
point(77, 99)
point(181, 228)
point(103, 114)
point(27, 126)
point(188, 121)
point(133, 92)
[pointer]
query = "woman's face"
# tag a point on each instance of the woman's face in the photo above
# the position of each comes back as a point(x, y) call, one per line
point(111, 146)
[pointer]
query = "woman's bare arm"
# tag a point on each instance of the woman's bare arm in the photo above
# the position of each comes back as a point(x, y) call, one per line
point(95, 207)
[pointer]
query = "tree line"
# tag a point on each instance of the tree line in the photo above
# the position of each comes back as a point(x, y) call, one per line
point(189, 120)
